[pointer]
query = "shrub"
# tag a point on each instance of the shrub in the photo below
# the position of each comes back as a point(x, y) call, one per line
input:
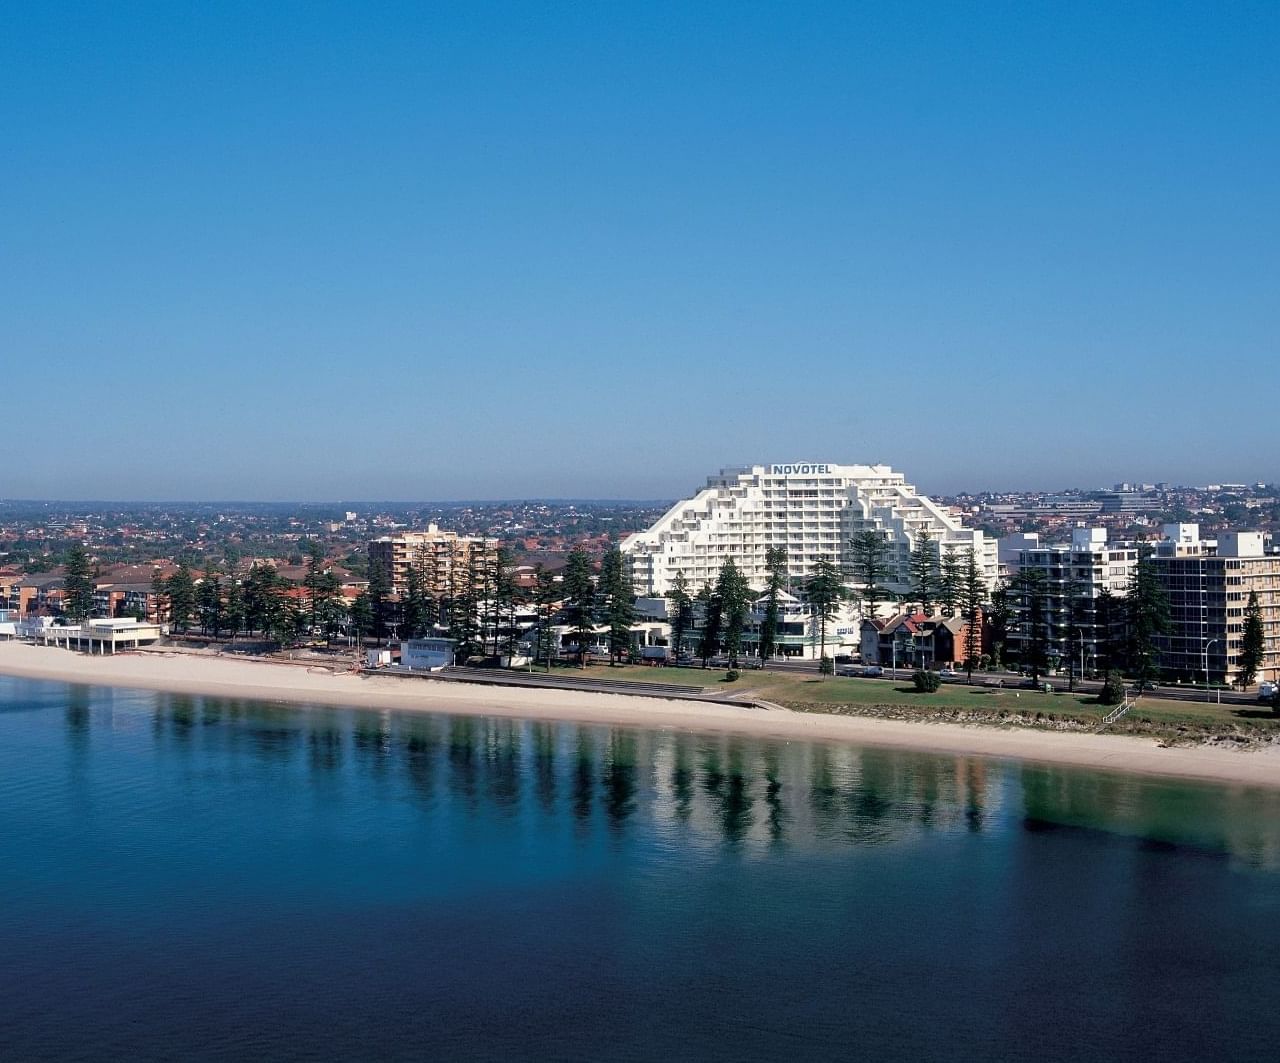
point(731, 676)
point(826, 666)
point(1112, 692)
point(926, 682)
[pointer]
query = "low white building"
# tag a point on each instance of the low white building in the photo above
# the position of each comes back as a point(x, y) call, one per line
point(427, 654)
point(94, 636)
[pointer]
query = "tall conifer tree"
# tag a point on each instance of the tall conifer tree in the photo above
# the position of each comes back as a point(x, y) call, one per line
point(77, 585)
point(1252, 643)
point(824, 590)
point(619, 603)
point(680, 610)
point(580, 600)
point(870, 569)
point(775, 561)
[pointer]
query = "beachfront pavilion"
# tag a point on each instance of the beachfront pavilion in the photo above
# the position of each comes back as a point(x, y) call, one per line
point(100, 636)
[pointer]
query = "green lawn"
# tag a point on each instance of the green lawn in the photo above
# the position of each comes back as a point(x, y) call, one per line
point(837, 694)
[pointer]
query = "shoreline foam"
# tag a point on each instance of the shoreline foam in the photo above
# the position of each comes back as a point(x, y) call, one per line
point(215, 676)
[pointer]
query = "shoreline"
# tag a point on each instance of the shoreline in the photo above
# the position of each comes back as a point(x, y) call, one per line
point(215, 676)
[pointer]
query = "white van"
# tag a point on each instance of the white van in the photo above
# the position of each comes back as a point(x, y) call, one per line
point(1266, 690)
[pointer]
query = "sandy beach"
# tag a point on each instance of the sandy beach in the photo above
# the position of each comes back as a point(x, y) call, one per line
point(269, 681)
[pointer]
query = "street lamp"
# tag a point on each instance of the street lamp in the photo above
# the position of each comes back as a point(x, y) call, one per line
point(1206, 670)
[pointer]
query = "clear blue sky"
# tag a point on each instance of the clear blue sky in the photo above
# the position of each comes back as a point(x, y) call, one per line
point(419, 251)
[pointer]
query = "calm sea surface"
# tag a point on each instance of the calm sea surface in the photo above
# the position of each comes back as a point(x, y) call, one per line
point(193, 878)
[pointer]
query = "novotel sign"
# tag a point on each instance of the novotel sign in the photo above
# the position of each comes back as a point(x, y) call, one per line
point(801, 469)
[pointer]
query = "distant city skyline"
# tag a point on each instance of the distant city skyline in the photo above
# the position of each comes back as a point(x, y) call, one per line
point(599, 251)
point(1172, 483)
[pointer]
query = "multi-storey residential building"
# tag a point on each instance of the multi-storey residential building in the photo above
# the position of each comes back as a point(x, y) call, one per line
point(30, 595)
point(1073, 576)
point(443, 560)
point(127, 599)
point(813, 510)
point(1208, 586)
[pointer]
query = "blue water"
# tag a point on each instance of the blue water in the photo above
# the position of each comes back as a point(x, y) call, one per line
point(202, 879)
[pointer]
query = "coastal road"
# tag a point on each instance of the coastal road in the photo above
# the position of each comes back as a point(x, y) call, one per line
point(1013, 681)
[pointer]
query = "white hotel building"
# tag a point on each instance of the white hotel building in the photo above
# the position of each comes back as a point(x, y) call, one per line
point(811, 509)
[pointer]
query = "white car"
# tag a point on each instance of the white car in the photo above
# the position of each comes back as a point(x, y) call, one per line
point(948, 673)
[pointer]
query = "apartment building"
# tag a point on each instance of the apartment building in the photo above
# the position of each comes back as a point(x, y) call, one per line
point(1074, 576)
point(29, 595)
point(443, 560)
point(812, 509)
point(1208, 585)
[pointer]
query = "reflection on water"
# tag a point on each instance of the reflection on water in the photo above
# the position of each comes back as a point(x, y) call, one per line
point(740, 791)
point(193, 878)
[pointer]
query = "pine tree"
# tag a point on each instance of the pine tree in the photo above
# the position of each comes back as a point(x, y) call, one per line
point(263, 600)
point(234, 608)
point(951, 583)
point(712, 623)
point(1108, 613)
point(1147, 616)
point(209, 602)
point(869, 569)
point(824, 591)
point(1253, 643)
point(464, 609)
point(483, 568)
point(1030, 591)
point(546, 596)
point(775, 562)
point(416, 610)
point(181, 589)
point(378, 593)
point(506, 597)
point(973, 588)
point(361, 616)
point(619, 607)
point(1076, 610)
point(680, 610)
point(734, 594)
point(580, 600)
point(77, 584)
point(923, 572)
point(289, 624)
point(159, 596)
point(1001, 620)
point(320, 583)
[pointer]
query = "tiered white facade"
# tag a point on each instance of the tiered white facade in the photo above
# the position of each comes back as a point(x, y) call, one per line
point(812, 509)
